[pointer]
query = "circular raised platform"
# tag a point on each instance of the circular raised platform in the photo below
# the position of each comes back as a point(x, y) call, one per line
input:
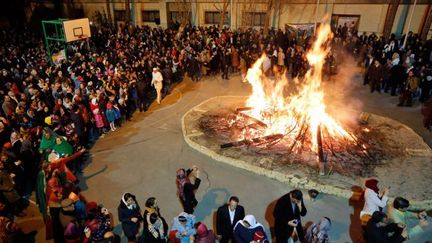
point(408, 173)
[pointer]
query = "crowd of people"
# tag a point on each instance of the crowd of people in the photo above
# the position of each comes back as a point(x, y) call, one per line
point(53, 112)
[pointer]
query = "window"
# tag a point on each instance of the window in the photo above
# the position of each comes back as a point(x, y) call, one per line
point(254, 18)
point(214, 18)
point(150, 16)
point(177, 16)
point(119, 15)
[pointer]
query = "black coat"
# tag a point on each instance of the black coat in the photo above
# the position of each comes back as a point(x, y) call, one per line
point(147, 236)
point(283, 213)
point(189, 196)
point(224, 227)
point(129, 228)
point(375, 234)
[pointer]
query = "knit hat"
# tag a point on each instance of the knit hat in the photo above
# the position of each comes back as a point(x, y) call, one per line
point(258, 236)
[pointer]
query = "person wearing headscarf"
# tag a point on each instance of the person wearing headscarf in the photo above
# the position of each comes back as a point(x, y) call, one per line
point(374, 199)
point(203, 234)
point(152, 231)
point(56, 162)
point(48, 140)
point(245, 229)
point(192, 183)
point(319, 232)
point(62, 147)
point(129, 213)
point(182, 228)
point(98, 225)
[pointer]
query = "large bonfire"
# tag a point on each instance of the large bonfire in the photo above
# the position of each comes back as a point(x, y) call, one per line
point(294, 126)
point(301, 112)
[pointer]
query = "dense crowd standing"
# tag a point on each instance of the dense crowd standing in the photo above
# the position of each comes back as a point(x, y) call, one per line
point(51, 113)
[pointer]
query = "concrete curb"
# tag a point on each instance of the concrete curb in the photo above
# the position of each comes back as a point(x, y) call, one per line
point(292, 180)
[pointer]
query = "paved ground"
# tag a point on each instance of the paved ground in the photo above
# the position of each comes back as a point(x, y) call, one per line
point(142, 158)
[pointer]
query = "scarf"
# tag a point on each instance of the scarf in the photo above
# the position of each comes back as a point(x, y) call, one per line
point(47, 143)
point(373, 185)
point(64, 148)
point(130, 207)
point(250, 219)
point(156, 229)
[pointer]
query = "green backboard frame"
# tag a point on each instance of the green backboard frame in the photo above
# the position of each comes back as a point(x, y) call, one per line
point(57, 35)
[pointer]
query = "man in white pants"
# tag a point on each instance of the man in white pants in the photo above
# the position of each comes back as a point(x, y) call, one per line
point(157, 83)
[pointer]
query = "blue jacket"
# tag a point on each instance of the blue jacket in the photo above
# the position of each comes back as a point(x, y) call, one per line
point(184, 232)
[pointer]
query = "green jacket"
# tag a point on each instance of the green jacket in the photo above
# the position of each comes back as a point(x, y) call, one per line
point(404, 217)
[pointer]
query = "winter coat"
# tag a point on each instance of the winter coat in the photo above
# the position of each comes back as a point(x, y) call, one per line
point(205, 235)
point(284, 213)
point(246, 235)
point(412, 84)
point(375, 73)
point(184, 232)
point(125, 214)
point(372, 202)
point(375, 234)
point(235, 58)
point(7, 187)
point(161, 230)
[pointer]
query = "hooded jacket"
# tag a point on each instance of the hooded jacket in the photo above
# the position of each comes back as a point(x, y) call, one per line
point(184, 232)
point(205, 235)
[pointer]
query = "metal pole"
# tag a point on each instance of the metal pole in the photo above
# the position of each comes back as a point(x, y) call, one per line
point(133, 13)
point(47, 43)
point(409, 24)
point(231, 14)
point(316, 15)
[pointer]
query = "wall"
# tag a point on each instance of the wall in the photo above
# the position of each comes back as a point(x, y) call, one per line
point(372, 14)
point(301, 13)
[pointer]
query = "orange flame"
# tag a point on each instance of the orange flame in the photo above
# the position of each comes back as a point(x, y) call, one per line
point(296, 114)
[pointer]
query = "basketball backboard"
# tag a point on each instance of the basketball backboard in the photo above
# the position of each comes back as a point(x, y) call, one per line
point(76, 29)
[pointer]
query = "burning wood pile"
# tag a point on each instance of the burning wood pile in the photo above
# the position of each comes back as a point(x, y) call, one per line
point(232, 128)
point(295, 127)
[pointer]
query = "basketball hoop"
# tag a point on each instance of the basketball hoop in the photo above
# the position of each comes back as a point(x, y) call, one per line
point(80, 37)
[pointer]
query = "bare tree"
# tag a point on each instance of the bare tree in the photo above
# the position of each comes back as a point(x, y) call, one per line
point(248, 15)
point(184, 10)
point(127, 13)
point(271, 4)
point(222, 12)
point(108, 7)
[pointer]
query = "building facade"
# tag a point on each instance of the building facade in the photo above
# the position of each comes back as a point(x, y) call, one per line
point(365, 15)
